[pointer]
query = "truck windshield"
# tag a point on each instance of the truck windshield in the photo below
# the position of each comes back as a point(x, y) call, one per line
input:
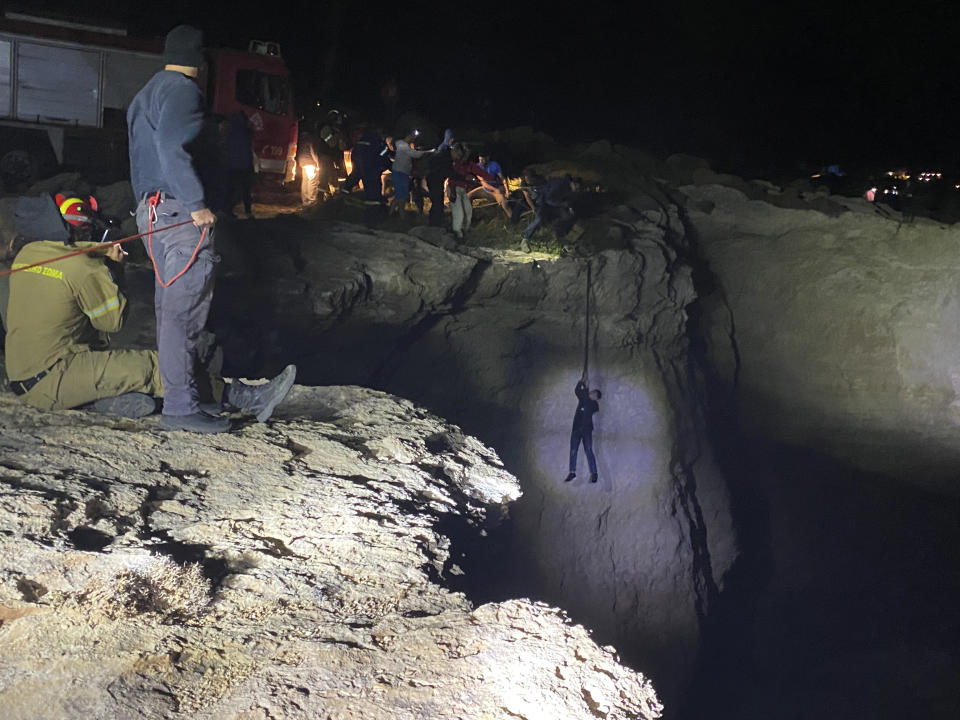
point(263, 91)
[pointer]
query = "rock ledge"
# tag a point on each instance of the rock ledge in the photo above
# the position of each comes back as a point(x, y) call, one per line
point(289, 570)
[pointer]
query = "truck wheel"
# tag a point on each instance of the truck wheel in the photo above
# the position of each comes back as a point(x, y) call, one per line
point(17, 167)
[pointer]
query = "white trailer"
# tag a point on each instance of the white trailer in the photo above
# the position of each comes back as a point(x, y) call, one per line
point(64, 90)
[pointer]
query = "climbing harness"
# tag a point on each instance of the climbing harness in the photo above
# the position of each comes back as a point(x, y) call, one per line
point(82, 251)
point(153, 201)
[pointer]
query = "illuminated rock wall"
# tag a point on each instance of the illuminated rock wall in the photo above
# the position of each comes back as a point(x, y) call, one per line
point(848, 330)
point(495, 344)
point(640, 555)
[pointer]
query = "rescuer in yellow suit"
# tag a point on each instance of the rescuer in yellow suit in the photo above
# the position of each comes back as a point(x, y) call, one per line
point(59, 317)
point(60, 314)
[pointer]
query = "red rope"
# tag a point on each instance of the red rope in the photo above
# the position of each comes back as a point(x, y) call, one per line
point(154, 201)
point(81, 251)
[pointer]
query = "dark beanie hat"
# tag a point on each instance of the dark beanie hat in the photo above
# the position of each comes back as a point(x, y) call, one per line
point(184, 46)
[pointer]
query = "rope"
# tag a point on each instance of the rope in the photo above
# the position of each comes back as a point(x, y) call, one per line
point(81, 251)
point(154, 201)
point(586, 336)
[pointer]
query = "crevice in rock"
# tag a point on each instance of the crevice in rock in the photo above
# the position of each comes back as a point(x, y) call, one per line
point(182, 475)
point(380, 377)
point(705, 586)
point(90, 539)
point(46, 492)
point(708, 286)
point(725, 661)
point(481, 560)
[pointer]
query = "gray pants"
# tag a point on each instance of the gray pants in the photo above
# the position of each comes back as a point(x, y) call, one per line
point(462, 209)
point(181, 308)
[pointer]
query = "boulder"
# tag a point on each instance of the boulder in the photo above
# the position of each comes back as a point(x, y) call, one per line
point(304, 568)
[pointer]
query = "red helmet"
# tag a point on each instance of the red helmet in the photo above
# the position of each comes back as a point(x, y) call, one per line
point(75, 211)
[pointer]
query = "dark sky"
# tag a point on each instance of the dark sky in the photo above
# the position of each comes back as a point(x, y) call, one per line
point(749, 82)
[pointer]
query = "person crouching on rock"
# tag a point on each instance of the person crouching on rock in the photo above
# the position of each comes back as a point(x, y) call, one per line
point(582, 431)
point(61, 313)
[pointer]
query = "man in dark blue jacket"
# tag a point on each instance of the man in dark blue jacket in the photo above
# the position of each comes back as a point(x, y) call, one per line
point(582, 431)
point(164, 119)
point(370, 159)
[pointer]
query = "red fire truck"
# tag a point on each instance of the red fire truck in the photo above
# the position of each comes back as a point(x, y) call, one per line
point(65, 87)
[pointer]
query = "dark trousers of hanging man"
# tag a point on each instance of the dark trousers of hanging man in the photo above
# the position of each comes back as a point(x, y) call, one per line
point(578, 436)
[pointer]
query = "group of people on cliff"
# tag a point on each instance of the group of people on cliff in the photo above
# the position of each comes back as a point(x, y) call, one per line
point(448, 174)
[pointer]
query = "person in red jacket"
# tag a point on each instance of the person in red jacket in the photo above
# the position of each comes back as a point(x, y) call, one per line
point(464, 177)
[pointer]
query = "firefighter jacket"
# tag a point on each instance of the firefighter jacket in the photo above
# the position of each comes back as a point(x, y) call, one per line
point(58, 309)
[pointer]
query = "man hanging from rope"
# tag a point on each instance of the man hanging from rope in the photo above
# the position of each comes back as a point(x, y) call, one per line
point(582, 431)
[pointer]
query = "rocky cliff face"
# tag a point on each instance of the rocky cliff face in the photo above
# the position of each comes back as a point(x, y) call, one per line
point(300, 569)
point(832, 326)
point(847, 329)
point(495, 342)
point(822, 328)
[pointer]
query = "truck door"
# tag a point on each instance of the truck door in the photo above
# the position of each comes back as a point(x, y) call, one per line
point(6, 99)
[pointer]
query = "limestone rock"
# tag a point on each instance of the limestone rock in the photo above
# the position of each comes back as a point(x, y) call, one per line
point(847, 332)
point(295, 569)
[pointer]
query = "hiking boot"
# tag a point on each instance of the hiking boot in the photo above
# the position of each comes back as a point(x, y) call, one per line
point(128, 405)
point(524, 245)
point(570, 477)
point(593, 477)
point(261, 399)
point(198, 422)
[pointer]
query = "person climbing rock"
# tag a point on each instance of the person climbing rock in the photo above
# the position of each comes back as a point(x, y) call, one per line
point(582, 431)
point(60, 314)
